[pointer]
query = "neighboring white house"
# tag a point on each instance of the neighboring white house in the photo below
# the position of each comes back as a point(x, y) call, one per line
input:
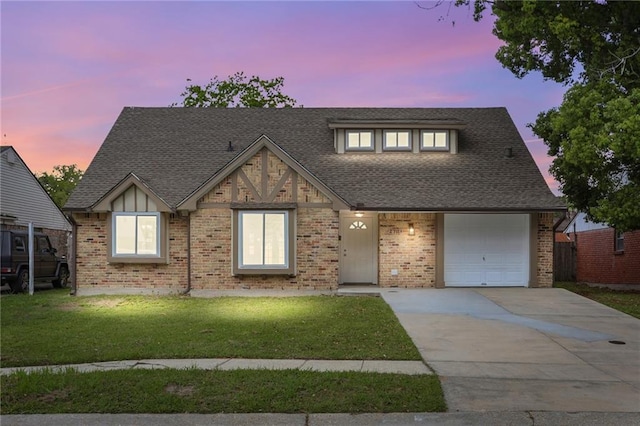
point(24, 200)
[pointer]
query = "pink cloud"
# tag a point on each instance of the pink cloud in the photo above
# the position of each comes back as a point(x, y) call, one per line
point(70, 67)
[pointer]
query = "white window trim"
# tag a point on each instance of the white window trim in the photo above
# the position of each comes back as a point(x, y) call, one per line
point(447, 147)
point(396, 148)
point(359, 148)
point(116, 255)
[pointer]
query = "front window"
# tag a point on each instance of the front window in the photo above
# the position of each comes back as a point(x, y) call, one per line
point(397, 140)
point(264, 242)
point(263, 239)
point(136, 234)
point(359, 140)
point(435, 140)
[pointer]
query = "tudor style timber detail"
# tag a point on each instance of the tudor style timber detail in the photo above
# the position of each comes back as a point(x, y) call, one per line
point(265, 180)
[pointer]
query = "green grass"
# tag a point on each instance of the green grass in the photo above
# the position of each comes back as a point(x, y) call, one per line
point(627, 301)
point(52, 327)
point(238, 391)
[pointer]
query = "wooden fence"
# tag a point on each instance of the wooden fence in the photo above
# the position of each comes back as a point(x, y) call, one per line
point(564, 262)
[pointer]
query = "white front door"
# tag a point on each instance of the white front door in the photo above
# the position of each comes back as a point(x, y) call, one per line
point(486, 250)
point(358, 263)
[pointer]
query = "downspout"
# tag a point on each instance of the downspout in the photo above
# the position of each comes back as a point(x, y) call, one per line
point(72, 258)
point(188, 289)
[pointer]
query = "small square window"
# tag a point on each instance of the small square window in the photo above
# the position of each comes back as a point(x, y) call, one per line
point(435, 140)
point(136, 234)
point(359, 140)
point(399, 140)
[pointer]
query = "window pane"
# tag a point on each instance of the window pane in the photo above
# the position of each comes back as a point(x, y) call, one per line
point(403, 139)
point(252, 232)
point(274, 239)
point(147, 235)
point(125, 235)
point(365, 140)
point(427, 139)
point(353, 140)
point(441, 140)
point(391, 139)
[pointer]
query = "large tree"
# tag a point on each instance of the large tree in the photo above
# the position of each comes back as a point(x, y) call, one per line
point(60, 182)
point(237, 90)
point(593, 47)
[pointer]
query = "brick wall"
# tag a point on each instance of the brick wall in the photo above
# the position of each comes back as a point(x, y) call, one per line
point(316, 231)
point(316, 253)
point(598, 263)
point(94, 271)
point(545, 250)
point(414, 257)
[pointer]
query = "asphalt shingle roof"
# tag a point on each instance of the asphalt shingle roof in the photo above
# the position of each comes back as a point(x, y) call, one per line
point(175, 150)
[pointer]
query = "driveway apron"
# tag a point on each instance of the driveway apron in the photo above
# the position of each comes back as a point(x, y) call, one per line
point(515, 349)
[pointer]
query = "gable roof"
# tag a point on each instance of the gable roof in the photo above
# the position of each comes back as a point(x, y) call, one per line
point(23, 199)
point(177, 150)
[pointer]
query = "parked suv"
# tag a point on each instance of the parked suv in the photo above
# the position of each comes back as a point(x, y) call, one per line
point(14, 261)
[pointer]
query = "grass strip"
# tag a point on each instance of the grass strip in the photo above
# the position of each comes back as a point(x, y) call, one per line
point(215, 391)
point(627, 301)
point(52, 327)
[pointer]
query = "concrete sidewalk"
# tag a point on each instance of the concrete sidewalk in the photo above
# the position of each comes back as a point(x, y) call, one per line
point(369, 366)
point(337, 419)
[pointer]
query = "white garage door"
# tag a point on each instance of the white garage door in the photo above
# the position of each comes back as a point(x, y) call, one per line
point(486, 250)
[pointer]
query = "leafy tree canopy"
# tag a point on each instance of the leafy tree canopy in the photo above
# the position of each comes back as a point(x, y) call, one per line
point(593, 46)
point(60, 182)
point(237, 90)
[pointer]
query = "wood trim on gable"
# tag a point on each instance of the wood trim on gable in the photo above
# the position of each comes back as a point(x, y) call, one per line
point(104, 204)
point(233, 170)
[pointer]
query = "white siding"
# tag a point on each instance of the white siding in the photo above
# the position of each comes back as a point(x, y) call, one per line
point(23, 197)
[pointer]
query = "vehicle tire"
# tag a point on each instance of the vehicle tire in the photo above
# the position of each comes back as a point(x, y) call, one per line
point(21, 284)
point(63, 278)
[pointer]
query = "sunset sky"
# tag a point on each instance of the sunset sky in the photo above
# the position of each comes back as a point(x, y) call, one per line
point(68, 68)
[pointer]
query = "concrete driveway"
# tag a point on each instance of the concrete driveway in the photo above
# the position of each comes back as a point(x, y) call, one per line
point(519, 349)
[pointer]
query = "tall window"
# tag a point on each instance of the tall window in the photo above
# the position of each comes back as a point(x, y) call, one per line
point(359, 140)
point(619, 241)
point(263, 238)
point(397, 140)
point(435, 140)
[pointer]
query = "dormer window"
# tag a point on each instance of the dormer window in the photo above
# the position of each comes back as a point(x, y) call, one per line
point(397, 140)
point(359, 140)
point(434, 140)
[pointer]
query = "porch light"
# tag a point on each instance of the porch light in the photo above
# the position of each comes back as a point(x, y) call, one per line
point(359, 214)
point(412, 230)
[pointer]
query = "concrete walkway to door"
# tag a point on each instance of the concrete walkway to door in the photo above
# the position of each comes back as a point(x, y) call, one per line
point(520, 349)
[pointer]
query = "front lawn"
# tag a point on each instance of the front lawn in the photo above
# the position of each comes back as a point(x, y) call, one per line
point(627, 301)
point(54, 328)
point(238, 391)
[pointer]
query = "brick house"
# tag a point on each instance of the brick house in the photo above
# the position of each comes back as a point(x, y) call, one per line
point(604, 255)
point(189, 199)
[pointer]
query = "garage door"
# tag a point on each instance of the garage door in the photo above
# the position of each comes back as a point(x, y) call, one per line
point(486, 250)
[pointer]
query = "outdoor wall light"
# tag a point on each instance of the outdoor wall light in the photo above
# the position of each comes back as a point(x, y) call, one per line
point(412, 230)
point(359, 214)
